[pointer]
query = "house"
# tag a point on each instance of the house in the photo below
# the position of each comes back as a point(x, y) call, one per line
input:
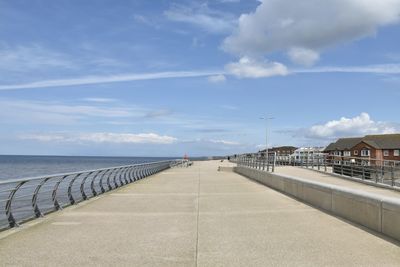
point(343, 146)
point(372, 149)
point(385, 147)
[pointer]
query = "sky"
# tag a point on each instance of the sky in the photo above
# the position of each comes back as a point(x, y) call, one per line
point(168, 78)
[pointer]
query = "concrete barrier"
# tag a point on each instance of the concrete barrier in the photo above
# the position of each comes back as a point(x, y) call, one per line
point(378, 213)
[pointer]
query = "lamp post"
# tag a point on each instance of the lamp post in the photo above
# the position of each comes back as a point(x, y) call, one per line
point(266, 118)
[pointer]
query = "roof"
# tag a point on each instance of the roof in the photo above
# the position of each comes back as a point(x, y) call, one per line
point(344, 143)
point(279, 148)
point(383, 141)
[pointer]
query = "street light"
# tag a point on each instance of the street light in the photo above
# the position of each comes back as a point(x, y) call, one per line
point(266, 118)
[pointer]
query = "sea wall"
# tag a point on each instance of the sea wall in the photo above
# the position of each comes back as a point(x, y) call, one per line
point(378, 213)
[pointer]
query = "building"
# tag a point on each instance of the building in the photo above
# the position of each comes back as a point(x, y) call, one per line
point(307, 154)
point(373, 149)
point(281, 150)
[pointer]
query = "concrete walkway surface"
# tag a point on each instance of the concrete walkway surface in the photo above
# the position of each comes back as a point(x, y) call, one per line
point(194, 216)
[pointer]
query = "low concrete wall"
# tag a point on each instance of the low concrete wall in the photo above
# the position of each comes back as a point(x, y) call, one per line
point(378, 213)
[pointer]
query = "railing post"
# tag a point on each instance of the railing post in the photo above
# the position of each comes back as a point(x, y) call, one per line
point(130, 174)
point(103, 190)
point(124, 176)
point(70, 197)
point(35, 207)
point(392, 175)
point(351, 170)
point(312, 161)
point(94, 193)
point(54, 193)
point(82, 187)
point(135, 173)
point(363, 170)
point(319, 163)
point(341, 166)
point(307, 161)
point(274, 162)
point(11, 220)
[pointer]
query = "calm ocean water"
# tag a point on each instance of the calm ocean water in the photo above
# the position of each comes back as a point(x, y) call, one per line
point(12, 167)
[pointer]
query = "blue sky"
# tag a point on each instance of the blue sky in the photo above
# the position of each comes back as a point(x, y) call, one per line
point(165, 78)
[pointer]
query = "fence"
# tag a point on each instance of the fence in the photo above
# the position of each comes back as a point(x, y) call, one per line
point(256, 161)
point(378, 171)
point(25, 199)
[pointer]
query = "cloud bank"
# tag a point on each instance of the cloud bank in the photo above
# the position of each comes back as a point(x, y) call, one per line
point(116, 138)
point(305, 28)
point(347, 127)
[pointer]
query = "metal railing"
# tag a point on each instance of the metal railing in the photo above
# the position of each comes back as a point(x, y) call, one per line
point(29, 198)
point(376, 171)
point(256, 161)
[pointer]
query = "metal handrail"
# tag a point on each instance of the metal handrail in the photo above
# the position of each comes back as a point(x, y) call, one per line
point(73, 187)
point(372, 170)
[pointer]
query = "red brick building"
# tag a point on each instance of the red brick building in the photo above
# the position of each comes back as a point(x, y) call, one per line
point(373, 148)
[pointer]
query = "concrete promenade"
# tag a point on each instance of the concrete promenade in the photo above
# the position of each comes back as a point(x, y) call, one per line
point(194, 216)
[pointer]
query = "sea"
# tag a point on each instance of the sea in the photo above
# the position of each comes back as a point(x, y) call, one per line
point(14, 167)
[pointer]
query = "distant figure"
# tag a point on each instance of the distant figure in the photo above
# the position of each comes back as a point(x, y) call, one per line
point(229, 158)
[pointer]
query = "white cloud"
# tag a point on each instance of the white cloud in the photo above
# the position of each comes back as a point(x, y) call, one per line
point(308, 25)
point(303, 56)
point(58, 113)
point(224, 142)
point(250, 68)
point(32, 57)
point(203, 17)
point(118, 138)
point(101, 79)
point(375, 69)
point(347, 127)
point(99, 100)
point(220, 78)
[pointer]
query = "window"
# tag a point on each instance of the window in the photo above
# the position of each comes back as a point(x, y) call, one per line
point(396, 153)
point(337, 153)
point(365, 153)
point(355, 152)
point(347, 153)
point(386, 153)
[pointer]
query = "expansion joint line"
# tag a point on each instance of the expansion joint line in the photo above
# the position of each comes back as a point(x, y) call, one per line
point(197, 219)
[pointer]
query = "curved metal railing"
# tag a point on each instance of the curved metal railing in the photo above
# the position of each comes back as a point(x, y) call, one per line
point(28, 198)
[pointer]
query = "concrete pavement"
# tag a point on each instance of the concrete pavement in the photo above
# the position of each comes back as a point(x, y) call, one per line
point(195, 217)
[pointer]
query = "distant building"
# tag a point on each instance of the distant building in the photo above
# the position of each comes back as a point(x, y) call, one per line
point(307, 154)
point(281, 150)
point(382, 148)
